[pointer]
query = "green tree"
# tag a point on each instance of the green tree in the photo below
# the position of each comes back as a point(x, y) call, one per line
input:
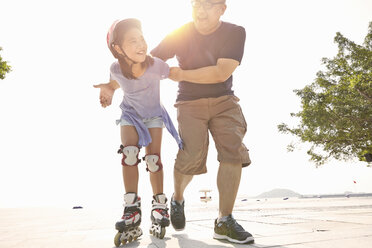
point(4, 67)
point(336, 114)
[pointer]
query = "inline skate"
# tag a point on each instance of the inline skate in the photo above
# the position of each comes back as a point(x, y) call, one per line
point(159, 216)
point(128, 226)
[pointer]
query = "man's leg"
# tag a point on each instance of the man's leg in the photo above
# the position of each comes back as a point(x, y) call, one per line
point(177, 204)
point(192, 119)
point(228, 180)
point(180, 183)
point(225, 226)
point(228, 126)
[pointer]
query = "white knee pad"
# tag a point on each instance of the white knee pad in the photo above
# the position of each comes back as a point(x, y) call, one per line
point(130, 155)
point(153, 163)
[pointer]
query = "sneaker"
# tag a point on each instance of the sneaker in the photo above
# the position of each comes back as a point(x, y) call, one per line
point(177, 215)
point(231, 231)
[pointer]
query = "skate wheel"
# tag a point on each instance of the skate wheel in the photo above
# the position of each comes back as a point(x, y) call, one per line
point(117, 240)
point(130, 239)
point(124, 241)
point(153, 232)
point(135, 238)
point(162, 233)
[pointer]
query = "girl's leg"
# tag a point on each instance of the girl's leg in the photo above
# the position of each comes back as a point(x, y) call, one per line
point(129, 137)
point(159, 212)
point(156, 178)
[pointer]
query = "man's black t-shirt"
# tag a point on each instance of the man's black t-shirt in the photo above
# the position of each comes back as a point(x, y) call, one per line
point(194, 50)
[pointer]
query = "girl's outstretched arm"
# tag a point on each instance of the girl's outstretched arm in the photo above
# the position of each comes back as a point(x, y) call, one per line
point(107, 92)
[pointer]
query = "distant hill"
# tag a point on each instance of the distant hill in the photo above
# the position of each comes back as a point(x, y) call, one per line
point(278, 193)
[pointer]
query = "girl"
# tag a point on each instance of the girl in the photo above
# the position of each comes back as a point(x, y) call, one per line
point(142, 120)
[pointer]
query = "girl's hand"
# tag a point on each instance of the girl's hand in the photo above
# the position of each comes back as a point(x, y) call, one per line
point(175, 74)
point(106, 93)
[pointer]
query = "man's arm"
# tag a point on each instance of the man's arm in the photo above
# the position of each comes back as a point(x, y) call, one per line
point(206, 75)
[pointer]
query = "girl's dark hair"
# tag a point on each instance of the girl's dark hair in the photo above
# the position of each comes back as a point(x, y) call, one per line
point(118, 37)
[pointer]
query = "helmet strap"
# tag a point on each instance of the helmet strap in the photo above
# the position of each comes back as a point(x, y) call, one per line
point(126, 56)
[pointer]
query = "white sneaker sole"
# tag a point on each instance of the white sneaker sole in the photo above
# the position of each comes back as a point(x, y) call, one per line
point(247, 240)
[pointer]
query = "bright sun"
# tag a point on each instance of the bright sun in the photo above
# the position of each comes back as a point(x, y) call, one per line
point(158, 18)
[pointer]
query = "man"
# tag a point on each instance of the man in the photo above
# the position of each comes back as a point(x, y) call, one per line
point(208, 51)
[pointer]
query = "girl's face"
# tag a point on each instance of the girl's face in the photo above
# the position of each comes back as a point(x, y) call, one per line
point(134, 45)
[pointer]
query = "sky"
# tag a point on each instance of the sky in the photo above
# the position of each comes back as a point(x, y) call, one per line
point(58, 146)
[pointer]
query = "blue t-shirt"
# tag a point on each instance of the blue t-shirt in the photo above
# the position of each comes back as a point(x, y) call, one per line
point(143, 93)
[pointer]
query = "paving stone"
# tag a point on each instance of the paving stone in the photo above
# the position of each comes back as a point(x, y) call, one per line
point(296, 223)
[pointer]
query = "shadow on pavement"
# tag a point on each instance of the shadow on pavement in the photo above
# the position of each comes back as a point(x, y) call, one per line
point(184, 241)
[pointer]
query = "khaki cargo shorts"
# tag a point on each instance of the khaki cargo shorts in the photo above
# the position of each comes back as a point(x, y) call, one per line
point(224, 119)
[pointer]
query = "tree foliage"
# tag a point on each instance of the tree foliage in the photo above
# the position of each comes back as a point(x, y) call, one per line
point(336, 115)
point(4, 67)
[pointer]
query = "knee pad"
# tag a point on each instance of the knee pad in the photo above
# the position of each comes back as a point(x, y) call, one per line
point(153, 163)
point(130, 155)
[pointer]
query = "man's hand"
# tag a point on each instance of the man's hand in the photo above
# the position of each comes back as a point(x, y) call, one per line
point(106, 93)
point(175, 74)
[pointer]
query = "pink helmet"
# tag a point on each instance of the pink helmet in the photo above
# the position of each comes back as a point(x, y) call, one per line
point(110, 32)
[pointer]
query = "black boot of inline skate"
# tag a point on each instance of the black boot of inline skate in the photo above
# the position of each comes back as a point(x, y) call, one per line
point(128, 226)
point(159, 216)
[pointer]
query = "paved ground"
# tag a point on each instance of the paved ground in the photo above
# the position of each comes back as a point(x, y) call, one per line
point(292, 223)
